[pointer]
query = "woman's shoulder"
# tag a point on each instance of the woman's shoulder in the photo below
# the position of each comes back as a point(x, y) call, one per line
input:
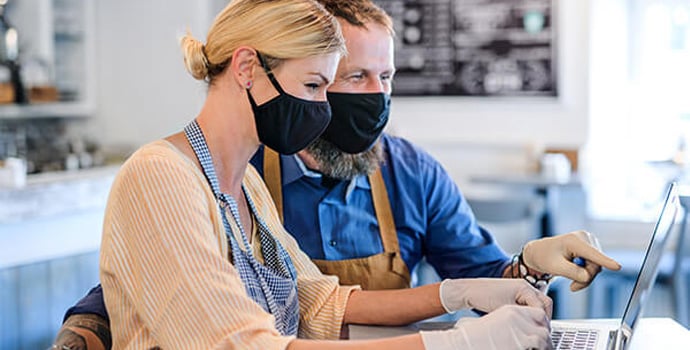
point(157, 149)
point(157, 153)
point(162, 161)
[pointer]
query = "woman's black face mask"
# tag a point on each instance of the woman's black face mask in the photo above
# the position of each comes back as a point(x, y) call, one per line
point(358, 120)
point(287, 124)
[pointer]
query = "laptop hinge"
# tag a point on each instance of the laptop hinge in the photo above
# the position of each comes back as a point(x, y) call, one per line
point(618, 339)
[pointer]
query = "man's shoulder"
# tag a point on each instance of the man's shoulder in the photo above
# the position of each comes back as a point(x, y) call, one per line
point(402, 150)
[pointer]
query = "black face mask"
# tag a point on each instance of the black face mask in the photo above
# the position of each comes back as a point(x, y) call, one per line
point(358, 120)
point(288, 124)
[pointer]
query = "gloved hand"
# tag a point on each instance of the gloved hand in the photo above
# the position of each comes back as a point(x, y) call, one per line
point(509, 327)
point(488, 294)
point(555, 255)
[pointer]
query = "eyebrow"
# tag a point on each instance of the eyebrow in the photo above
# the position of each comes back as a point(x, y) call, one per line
point(325, 80)
point(367, 71)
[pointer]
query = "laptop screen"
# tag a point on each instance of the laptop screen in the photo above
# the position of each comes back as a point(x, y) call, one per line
point(650, 265)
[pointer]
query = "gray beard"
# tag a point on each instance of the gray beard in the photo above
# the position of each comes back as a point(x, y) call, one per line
point(339, 165)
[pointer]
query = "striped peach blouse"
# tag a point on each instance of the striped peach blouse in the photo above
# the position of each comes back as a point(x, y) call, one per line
point(165, 271)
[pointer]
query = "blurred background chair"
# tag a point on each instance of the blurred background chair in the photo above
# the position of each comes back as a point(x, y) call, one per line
point(607, 297)
point(512, 219)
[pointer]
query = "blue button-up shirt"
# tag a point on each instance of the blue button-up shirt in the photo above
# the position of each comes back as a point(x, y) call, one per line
point(432, 217)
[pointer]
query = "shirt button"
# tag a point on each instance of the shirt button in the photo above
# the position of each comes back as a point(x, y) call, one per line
point(333, 243)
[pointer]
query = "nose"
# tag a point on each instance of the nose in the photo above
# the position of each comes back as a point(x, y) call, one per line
point(376, 85)
point(321, 97)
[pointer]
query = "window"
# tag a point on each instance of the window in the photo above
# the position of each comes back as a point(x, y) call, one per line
point(639, 104)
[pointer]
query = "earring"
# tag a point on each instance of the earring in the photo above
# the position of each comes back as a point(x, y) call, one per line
point(249, 84)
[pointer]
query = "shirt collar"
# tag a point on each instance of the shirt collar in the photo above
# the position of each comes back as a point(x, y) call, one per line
point(293, 168)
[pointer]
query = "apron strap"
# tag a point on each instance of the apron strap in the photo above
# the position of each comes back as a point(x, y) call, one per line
point(384, 214)
point(272, 177)
point(197, 141)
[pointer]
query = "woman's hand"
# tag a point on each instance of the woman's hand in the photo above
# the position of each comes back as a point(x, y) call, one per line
point(488, 294)
point(509, 327)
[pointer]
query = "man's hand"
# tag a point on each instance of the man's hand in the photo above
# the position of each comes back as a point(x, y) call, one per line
point(556, 255)
point(84, 332)
point(509, 327)
point(488, 294)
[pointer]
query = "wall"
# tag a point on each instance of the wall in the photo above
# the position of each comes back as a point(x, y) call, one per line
point(143, 89)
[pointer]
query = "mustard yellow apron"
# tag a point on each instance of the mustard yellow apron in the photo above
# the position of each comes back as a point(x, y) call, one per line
point(386, 270)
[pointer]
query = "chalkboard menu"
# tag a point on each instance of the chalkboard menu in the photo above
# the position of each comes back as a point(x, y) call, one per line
point(474, 47)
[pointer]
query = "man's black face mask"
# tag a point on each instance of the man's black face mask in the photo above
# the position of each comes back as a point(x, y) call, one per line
point(357, 120)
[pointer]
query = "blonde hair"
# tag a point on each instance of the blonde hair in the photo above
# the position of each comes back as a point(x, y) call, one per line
point(278, 29)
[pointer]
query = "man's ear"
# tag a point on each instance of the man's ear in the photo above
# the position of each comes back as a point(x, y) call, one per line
point(243, 63)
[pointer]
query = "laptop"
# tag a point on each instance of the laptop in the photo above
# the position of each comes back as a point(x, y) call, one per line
point(590, 335)
point(581, 334)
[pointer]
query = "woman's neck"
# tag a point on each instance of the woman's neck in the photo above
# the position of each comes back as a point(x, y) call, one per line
point(229, 131)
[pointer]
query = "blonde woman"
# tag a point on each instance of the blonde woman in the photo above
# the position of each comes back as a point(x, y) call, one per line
point(193, 254)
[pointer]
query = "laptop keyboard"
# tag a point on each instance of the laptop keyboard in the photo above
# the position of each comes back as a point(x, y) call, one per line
point(575, 339)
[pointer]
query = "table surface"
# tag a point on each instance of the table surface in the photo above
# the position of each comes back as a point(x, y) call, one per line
point(651, 333)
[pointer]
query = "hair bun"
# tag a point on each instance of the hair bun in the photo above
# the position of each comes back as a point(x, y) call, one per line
point(194, 57)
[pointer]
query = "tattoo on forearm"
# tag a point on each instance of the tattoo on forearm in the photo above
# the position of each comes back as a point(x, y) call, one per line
point(74, 332)
point(70, 339)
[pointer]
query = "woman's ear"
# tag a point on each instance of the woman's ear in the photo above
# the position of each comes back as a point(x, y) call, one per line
point(244, 61)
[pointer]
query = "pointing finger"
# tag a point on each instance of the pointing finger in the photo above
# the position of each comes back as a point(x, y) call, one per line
point(580, 248)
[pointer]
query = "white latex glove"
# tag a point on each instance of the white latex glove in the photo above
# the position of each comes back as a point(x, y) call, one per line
point(509, 327)
point(555, 255)
point(488, 294)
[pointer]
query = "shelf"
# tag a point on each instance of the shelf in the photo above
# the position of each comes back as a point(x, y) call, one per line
point(59, 37)
point(46, 110)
